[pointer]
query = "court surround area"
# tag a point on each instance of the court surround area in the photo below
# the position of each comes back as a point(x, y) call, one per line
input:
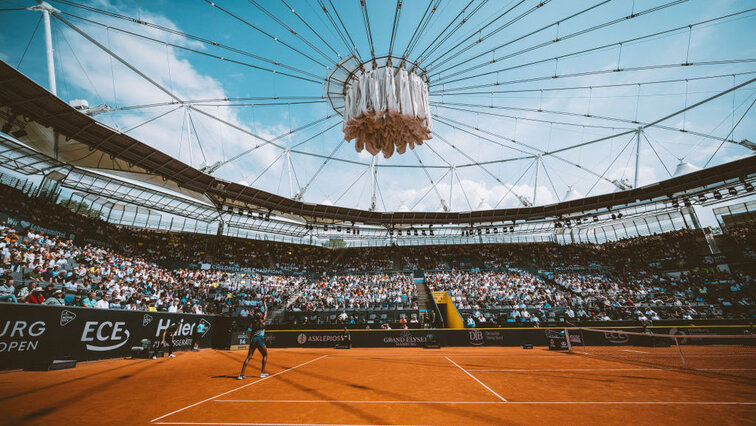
point(484, 385)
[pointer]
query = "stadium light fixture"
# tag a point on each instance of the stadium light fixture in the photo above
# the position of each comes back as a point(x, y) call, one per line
point(732, 190)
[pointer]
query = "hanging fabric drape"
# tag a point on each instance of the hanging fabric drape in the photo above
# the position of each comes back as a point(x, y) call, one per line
point(386, 110)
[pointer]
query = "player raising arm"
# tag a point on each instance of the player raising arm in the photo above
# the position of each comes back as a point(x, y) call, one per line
point(257, 340)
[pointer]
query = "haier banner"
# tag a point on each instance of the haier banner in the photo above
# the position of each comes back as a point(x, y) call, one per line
point(34, 333)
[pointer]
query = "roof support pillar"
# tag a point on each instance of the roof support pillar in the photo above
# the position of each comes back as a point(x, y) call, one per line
point(46, 10)
point(537, 171)
point(373, 182)
point(637, 154)
point(289, 172)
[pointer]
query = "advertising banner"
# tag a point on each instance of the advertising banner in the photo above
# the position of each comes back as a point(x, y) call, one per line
point(22, 224)
point(34, 333)
point(485, 337)
point(406, 338)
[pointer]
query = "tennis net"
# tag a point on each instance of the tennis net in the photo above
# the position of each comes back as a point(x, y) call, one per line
point(674, 350)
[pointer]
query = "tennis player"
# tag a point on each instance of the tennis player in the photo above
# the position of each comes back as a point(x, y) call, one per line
point(257, 341)
point(168, 336)
point(345, 340)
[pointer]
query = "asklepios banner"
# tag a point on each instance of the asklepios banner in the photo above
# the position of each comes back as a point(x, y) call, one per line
point(34, 333)
point(493, 337)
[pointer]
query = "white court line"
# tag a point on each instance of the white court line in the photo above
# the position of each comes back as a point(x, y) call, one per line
point(310, 401)
point(632, 350)
point(476, 379)
point(631, 403)
point(653, 355)
point(262, 424)
point(612, 369)
point(236, 389)
point(561, 355)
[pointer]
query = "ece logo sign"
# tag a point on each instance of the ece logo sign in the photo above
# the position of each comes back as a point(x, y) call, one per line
point(105, 336)
point(616, 337)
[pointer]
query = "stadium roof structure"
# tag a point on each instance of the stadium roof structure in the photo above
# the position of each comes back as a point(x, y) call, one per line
point(473, 87)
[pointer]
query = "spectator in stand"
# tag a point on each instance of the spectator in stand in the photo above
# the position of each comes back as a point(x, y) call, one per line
point(23, 292)
point(103, 303)
point(36, 296)
point(7, 290)
point(56, 299)
point(75, 302)
point(470, 322)
point(403, 321)
point(48, 291)
point(90, 301)
point(570, 314)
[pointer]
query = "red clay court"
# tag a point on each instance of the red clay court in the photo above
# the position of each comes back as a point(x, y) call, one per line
point(396, 386)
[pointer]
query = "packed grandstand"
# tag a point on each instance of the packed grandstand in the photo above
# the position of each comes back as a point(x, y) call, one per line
point(90, 263)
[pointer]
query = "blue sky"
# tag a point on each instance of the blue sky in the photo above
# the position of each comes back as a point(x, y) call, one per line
point(472, 126)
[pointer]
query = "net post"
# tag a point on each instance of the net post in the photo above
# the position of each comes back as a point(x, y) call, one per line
point(682, 357)
point(582, 340)
point(567, 337)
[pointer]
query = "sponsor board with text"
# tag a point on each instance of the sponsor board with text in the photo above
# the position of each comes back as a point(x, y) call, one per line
point(32, 332)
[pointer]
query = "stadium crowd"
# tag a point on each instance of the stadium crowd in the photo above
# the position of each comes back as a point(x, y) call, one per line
point(61, 273)
point(357, 292)
point(108, 266)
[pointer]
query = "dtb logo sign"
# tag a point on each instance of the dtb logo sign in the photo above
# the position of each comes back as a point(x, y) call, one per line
point(105, 336)
point(476, 337)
